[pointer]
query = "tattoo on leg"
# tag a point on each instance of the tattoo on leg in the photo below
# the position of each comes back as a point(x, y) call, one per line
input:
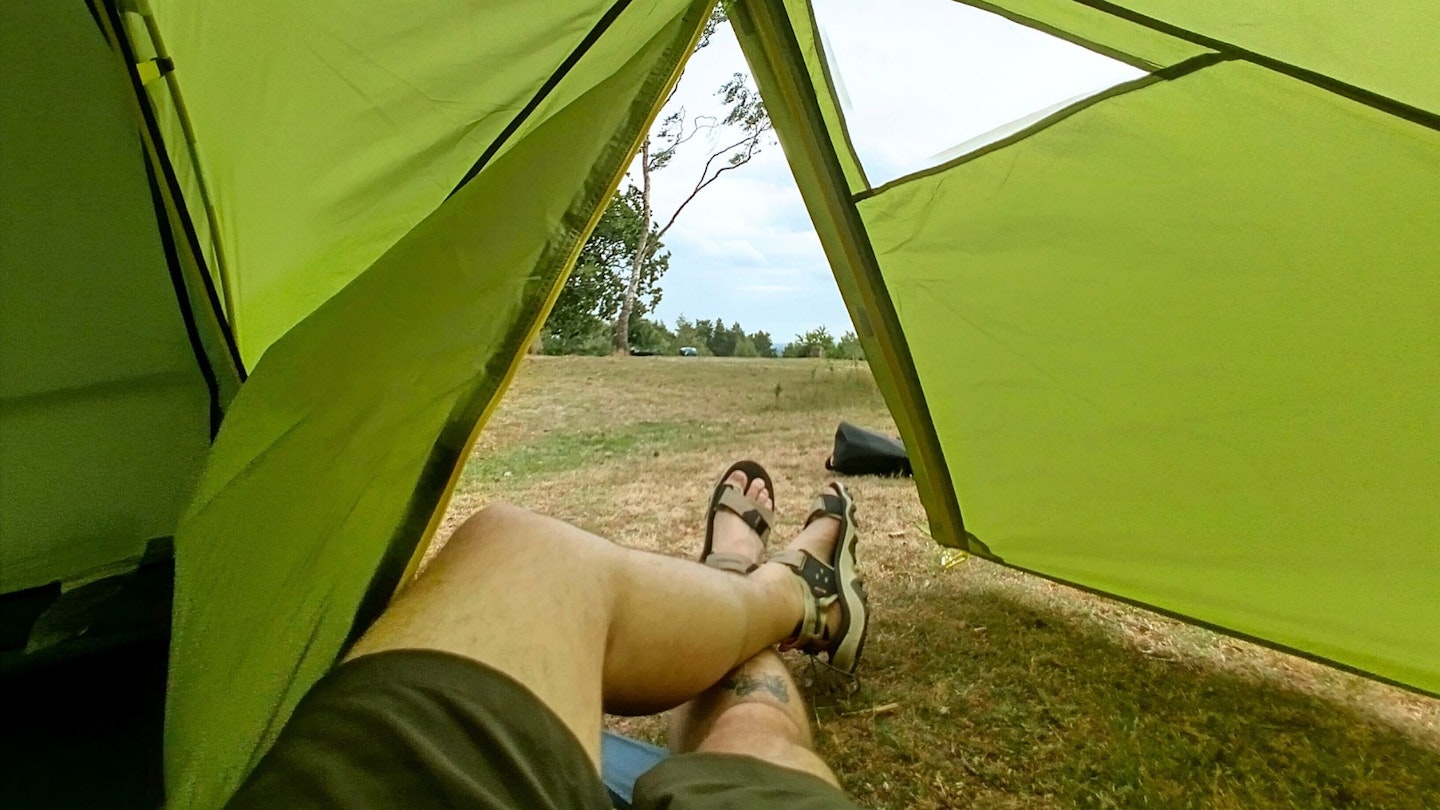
point(745, 685)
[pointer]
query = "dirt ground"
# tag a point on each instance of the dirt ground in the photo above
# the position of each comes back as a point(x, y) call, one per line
point(982, 686)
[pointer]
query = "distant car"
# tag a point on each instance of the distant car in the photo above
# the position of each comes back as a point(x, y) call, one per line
point(689, 351)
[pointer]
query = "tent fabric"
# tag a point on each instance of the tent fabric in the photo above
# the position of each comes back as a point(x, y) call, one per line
point(104, 412)
point(135, 35)
point(189, 248)
point(1171, 339)
point(382, 110)
point(828, 93)
point(1172, 343)
point(1183, 385)
point(1391, 53)
point(336, 454)
point(1086, 24)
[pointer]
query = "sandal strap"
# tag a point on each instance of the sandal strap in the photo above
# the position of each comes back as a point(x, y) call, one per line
point(757, 517)
point(733, 563)
point(821, 588)
point(826, 505)
point(812, 634)
point(820, 578)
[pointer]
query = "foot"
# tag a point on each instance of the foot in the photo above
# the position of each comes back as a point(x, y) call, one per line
point(835, 610)
point(819, 539)
point(733, 535)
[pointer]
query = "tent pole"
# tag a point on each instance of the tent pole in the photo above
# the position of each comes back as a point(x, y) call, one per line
point(222, 264)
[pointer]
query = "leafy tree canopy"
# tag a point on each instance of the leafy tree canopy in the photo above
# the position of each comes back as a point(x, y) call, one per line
point(591, 299)
point(814, 343)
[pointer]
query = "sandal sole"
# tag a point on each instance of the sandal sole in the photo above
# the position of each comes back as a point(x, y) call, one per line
point(853, 601)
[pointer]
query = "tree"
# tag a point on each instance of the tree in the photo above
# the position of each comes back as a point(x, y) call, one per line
point(705, 331)
point(588, 305)
point(649, 337)
point(688, 333)
point(723, 340)
point(745, 347)
point(848, 347)
point(746, 126)
point(814, 343)
point(764, 346)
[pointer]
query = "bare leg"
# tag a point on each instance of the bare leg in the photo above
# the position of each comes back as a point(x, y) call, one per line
point(756, 709)
point(586, 625)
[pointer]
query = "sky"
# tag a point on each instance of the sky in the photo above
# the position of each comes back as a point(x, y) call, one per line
point(921, 81)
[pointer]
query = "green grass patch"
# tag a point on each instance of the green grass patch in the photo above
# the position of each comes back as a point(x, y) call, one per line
point(832, 385)
point(560, 451)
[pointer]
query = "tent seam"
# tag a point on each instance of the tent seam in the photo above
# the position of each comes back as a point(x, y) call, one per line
point(830, 88)
point(556, 77)
point(157, 153)
point(1176, 71)
point(182, 297)
point(223, 270)
point(1118, 55)
point(1360, 95)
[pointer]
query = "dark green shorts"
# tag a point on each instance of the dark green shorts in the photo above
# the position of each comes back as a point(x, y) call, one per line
point(418, 728)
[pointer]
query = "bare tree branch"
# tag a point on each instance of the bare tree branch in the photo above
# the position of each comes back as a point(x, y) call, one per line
point(745, 112)
point(752, 146)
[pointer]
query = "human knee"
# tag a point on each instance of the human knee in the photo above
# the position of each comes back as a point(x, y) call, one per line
point(493, 519)
point(501, 535)
point(755, 720)
point(769, 734)
point(489, 525)
point(483, 538)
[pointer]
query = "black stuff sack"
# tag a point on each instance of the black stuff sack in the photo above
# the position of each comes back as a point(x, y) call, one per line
point(864, 452)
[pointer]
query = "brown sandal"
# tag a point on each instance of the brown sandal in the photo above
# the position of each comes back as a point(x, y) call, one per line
point(726, 496)
point(828, 582)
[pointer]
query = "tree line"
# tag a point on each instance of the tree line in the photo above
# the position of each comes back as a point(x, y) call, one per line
point(707, 338)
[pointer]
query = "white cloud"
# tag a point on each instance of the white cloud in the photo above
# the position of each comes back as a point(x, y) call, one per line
point(922, 76)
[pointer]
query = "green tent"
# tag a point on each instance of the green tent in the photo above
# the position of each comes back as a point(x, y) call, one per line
point(268, 266)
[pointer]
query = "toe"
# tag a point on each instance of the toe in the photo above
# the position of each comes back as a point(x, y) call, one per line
point(760, 493)
point(735, 479)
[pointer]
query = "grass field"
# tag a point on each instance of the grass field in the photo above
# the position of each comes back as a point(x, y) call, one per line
point(995, 689)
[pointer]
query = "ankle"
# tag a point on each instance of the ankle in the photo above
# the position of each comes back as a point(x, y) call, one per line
point(786, 593)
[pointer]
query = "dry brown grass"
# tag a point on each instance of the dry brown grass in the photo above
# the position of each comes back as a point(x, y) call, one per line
point(1012, 691)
